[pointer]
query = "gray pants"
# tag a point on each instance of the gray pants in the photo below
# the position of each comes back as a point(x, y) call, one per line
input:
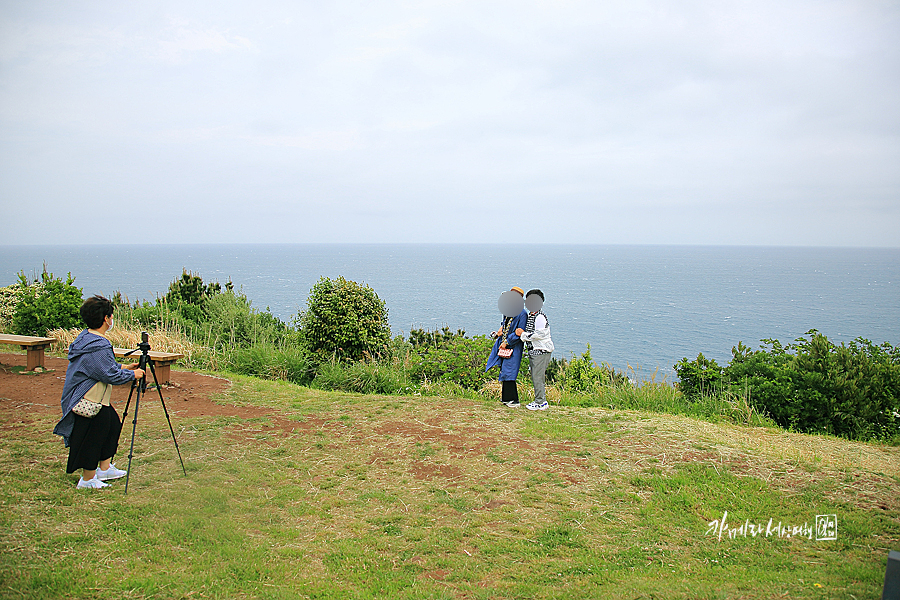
point(537, 365)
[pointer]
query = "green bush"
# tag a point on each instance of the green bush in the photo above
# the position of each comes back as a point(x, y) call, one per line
point(699, 377)
point(442, 355)
point(50, 303)
point(814, 386)
point(9, 299)
point(344, 319)
point(582, 374)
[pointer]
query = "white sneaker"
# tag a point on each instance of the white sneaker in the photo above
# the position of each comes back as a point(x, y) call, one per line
point(111, 473)
point(538, 405)
point(91, 484)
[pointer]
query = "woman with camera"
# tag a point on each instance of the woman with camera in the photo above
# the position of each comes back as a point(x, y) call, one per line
point(90, 426)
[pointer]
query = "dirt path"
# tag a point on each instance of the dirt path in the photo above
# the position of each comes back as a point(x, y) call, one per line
point(189, 396)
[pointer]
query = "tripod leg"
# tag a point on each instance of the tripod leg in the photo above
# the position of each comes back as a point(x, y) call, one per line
point(166, 411)
point(128, 402)
point(137, 403)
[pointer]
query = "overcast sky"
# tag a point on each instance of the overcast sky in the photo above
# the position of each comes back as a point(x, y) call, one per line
point(706, 122)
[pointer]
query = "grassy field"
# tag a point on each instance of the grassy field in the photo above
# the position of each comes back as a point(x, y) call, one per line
point(301, 493)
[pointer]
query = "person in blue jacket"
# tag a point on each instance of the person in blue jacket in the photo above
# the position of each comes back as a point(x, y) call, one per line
point(93, 441)
point(515, 317)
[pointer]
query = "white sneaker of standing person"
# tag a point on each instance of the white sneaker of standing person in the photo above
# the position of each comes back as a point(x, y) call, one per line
point(111, 473)
point(535, 405)
point(91, 484)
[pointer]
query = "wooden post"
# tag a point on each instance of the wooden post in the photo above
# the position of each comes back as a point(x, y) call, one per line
point(34, 357)
point(163, 371)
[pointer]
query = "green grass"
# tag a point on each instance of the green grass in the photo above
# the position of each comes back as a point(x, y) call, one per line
point(335, 495)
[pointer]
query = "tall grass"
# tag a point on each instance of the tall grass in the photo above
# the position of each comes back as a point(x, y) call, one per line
point(161, 339)
point(225, 320)
point(265, 361)
point(724, 405)
point(363, 378)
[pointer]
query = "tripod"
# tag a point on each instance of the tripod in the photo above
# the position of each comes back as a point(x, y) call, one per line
point(141, 386)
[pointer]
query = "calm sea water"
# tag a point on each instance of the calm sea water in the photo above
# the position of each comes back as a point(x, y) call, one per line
point(639, 306)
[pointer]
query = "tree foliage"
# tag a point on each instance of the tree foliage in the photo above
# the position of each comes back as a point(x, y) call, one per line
point(190, 295)
point(699, 377)
point(812, 385)
point(45, 304)
point(344, 319)
point(190, 289)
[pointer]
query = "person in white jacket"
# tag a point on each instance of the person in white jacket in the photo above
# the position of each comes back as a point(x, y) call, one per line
point(538, 344)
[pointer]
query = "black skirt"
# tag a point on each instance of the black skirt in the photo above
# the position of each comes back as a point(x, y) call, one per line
point(509, 392)
point(94, 439)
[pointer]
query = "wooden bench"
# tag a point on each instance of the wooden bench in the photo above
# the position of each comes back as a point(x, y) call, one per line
point(162, 361)
point(34, 345)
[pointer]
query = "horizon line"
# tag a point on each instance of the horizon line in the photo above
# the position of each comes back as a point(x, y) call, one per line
point(485, 244)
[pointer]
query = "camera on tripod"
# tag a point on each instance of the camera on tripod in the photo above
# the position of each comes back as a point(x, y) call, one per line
point(145, 341)
point(141, 386)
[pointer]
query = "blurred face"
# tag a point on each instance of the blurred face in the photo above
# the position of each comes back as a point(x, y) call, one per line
point(534, 303)
point(510, 304)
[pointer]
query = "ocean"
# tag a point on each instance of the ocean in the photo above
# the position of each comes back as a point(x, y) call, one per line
point(639, 307)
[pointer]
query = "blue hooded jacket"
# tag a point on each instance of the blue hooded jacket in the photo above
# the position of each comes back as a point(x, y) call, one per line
point(509, 367)
point(91, 359)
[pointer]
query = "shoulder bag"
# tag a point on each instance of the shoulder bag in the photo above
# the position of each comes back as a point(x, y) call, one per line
point(93, 400)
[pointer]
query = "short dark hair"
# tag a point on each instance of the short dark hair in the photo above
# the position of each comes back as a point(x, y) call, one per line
point(94, 311)
point(538, 292)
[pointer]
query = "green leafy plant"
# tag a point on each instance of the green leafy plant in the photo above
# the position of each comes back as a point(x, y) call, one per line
point(45, 304)
point(698, 377)
point(344, 319)
point(443, 355)
point(583, 374)
point(9, 299)
point(811, 385)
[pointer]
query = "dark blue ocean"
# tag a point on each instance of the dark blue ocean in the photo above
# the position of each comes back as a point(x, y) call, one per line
point(640, 306)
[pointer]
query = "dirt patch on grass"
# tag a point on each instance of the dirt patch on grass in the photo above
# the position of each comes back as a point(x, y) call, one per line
point(422, 470)
point(22, 393)
point(459, 441)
